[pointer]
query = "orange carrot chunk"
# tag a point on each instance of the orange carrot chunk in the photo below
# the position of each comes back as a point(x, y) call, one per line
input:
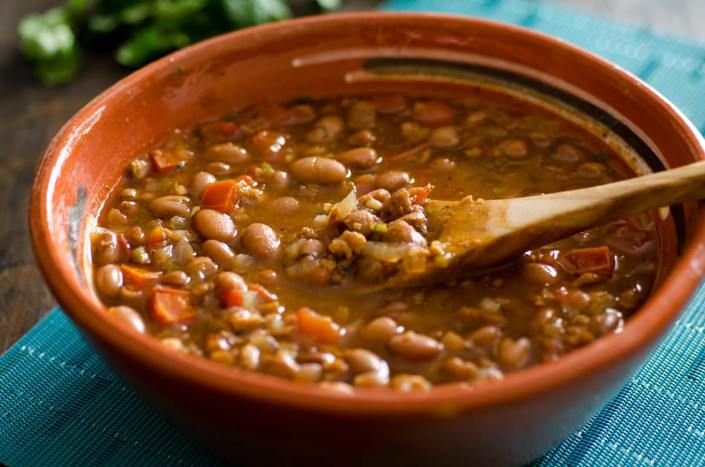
point(169, 306)
point(231, 297)
point(139, 277)
point(156, 237)
point(421, 194)
point(597, 260)
point(221, 196)
point(164, 162)
point(224, 195)
point(319, 328)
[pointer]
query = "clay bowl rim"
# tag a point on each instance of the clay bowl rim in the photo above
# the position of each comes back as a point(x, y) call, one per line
point(644, 328)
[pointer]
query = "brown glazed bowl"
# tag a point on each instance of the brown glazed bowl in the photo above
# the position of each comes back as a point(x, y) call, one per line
point(253, 417)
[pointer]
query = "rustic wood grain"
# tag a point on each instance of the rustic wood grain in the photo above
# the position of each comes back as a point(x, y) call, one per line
point(31, 115)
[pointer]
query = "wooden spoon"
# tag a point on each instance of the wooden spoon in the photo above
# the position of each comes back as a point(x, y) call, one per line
point(478, 235)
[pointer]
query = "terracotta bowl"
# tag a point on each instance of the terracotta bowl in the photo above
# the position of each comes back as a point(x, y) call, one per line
point(248, 416)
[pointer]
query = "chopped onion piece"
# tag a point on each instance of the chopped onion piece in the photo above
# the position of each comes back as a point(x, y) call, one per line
point(320, 221)
point(389, 253)
point(344, 207)
point(489, 304)
point(374, 204)
point(249, 299)
point(414, 263)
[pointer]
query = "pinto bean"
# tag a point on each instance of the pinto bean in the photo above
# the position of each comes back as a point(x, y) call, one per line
point(433, 113)
point(460, 368)
point(405, 382)
point(365, 183)
point(214, 225)
point(128, 316)
point(199, 182)
point(318, 170)
point(514, 354)
point(361, 220)
point(286, 205)
point(486, 335)
point(326, 130)
point(592, 170)
point(280, 180)
point(415, 346)
point(250, 357)
point(443, 164)
point(129, 208)
point(219, 168)
point(362, 138)
point(260, 240)
point(370, 379)
point(219, 252)
point(269, 143)
point(567, 153)
point(169, 206)
point(401, 232)
point(444, 137)
point(389, 103)
point(363, 361)
point(392, 180)
point(228, 152)
point(177, 278)
point(362, 114)
point(230, 280)
point(539, 273)
point(515, 149)
point(108, 280)
point(359, 158)
point(106, 248)
point(201, 267)
point(311, 372)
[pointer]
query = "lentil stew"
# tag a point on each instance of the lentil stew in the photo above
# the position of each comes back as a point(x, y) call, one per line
point(246, 241)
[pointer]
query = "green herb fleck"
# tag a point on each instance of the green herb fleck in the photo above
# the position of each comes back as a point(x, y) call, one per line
point(267, 169)
point(381, 228)
point(140, 255)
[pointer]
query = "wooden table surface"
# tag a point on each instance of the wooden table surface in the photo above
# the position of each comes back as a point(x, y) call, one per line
point(31, 115)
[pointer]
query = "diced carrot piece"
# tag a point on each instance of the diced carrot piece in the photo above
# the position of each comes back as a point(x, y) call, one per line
point(594, 259)
point(317, 327)
point(421, 194)
point(164, 162)
point(224, 195)
point(230, 297)
point(156, 236)
point(221, 196)
point(262, 292)
point(219, 132)
point(169, 306)
point(139, 277)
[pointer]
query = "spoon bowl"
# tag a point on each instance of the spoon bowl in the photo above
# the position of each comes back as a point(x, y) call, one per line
point(480, 235)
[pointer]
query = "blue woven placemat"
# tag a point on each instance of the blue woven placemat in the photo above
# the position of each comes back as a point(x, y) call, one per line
point(61, 405)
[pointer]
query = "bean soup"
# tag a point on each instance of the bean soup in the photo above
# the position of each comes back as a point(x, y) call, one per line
point(247, 241)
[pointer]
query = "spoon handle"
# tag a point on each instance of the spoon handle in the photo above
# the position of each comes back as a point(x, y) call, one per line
point(587, 206)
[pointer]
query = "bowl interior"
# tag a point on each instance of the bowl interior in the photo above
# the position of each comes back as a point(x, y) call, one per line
point(337, 55)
